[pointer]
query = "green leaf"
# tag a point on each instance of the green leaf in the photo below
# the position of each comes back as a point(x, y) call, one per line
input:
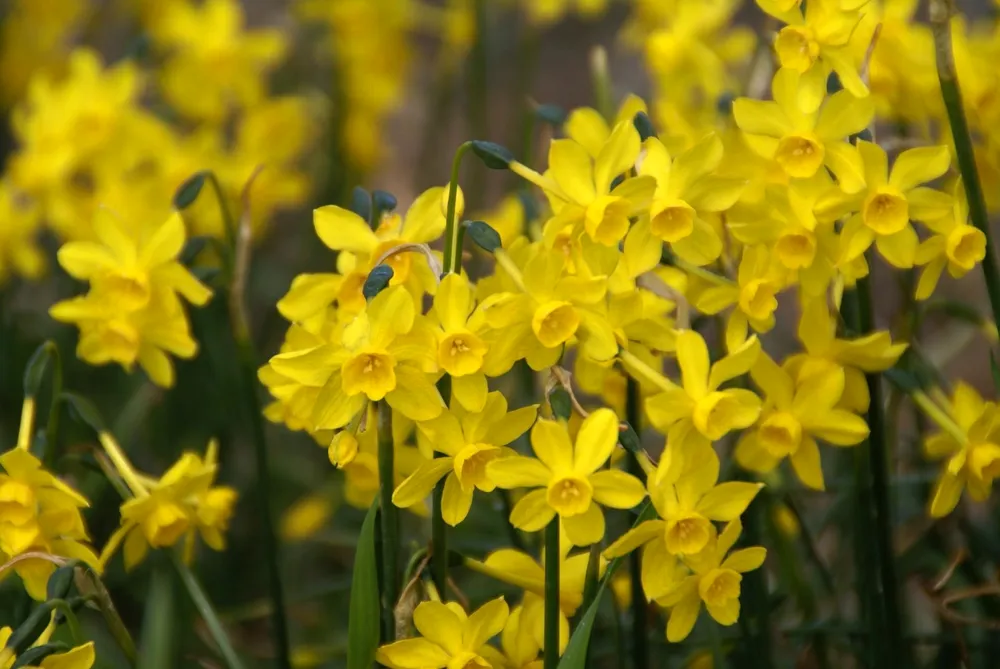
point(34, 371)
point(483, 235)
point(158, 625)
point(575, 656)
point(644, 126)
point(493, 155)
point(189, 190)
point(363, 621)
point(377, 281)
point(61, 581)
point(85, 411)
point(33, 656)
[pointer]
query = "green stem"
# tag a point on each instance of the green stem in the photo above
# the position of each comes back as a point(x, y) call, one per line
point(158, 630)
point(640, 613)
point(478, 93)
point(52, 426)
point(228, 223)
point(208, 614)
point(551, 615)
point(439, 529)
point(941, 12)
point(71, 620)
point(248, 372)
point(874, 474)
point(389, 522)
point(452, 231)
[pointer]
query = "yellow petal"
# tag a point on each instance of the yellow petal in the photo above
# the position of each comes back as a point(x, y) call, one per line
point(551, 443)
point(617, 155)
point(571, 168)
point(594, 442)
point(518, 471)
point(806, 463)
point(532, 512)
point(735, 364)
point(683, 616)
point(585, 528)
point(616, 489)
point(637, 536)
point(343, 230)
point(485, 623)
point(727, 501)
point(453, 301)
point(746, 559)
point(412, 654)
point(417, 486)
point(919, 165)
point(692, 356)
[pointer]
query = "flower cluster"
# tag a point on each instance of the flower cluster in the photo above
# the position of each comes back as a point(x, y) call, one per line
point(133, 311)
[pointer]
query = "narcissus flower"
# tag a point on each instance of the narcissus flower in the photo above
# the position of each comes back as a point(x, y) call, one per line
point(470, 441)
point(969, 442)
point(39, 512)
point(698, 410)
point(687, 505)
point(387, 351)
point(795, 415)
point(954, 244)
point(802, 142)
point(714, 580)
point(182, 503)
point(892, 198)
point(449, 637)
point(573, 484)
point(580, 187)
point(461, 349)
point(816, 41)
point(686, 191)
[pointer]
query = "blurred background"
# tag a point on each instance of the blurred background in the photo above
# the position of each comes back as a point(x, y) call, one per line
point(117, 102)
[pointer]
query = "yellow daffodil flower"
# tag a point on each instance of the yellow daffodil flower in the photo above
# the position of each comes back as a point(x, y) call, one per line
point(686, 190)
point(361, 248)
point(549, 309)
point(580, 191)
point(449, 637)
point(894, 197)
point(714, 580)
point(176, 507)
point(817, 40)
point(795, 415)
point(469, 440)
point(461, 348)
point(954, 244)
point(698, 410)
point(802, 142)
point(969, 442)
point(825, 354)
point(387, 351)
point(687, 505)
point(518, 643)
point(573, 485)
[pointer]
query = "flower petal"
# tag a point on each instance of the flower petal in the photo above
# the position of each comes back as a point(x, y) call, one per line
point(616, 489)
point(637, 536)
point(807, 465)
point(595, 441)
point(417, 486)
point(727, 501)
point(343, 230)
point(746, 559)
point(551, 443)
point(413, 654)
point(585, 528)
point(532, 512)
point(518, 471)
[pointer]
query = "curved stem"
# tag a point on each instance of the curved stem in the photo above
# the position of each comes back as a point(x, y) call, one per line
point(452, 231)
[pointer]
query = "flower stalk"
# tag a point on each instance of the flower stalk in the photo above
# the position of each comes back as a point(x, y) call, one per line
point(640, 622)
point(941, 12)
point(882, 592)
point(208, 614)
point(389, 522)
point(551, 615)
